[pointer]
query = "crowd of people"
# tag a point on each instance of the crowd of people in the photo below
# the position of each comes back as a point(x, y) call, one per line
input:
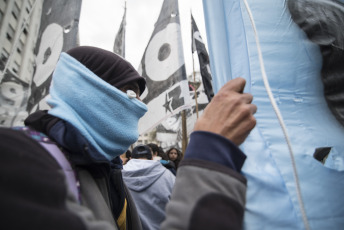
point(169, 159)
point(70, 167)
point(150, 184)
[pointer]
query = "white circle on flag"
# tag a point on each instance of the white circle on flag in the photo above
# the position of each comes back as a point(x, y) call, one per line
point(49, 52)
point(166, 45)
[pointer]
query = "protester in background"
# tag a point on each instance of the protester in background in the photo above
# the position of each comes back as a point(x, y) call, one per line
point(128, 155)
point(162, 157)
point(174, 155)
point(155, 151)
point(162, 153)
point(125, 157)
point(150, 185)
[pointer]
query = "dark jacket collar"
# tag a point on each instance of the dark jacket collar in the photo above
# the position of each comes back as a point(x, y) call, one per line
point(69, 138)
point(41, 121)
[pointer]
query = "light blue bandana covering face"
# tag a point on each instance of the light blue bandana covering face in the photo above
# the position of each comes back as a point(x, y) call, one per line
point(103, 114)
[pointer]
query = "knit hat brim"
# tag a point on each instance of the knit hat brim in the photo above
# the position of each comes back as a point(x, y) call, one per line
point(107, 65)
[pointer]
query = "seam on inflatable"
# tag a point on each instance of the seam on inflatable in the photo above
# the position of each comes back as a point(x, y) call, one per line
point(279, 116)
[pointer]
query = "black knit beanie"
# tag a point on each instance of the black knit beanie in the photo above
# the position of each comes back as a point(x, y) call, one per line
point(108, 66)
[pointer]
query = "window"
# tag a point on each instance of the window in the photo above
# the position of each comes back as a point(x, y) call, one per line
point(15, 11)
point(4, 55)
point(15, 67)
point(23, 38)
point(1, 16)
point(10, 33)
point(29, 7)
point(20, 46)
point(3, 59)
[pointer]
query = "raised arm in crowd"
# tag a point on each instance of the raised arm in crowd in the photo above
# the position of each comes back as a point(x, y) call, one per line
point(209, 191)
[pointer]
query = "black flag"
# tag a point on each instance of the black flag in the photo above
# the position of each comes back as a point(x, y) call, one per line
point(203, 57)
point(163, 67)
point(23, 92)
point(58, 32)
point(119, 46)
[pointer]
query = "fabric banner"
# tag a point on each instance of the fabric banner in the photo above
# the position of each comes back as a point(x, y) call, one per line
point(203, 58)
point(288, 188)
point(169, 132)
point(119, 46)
point(58, 31)
point(163, 67)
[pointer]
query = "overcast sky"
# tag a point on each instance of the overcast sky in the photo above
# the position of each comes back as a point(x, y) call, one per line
point(100, 21)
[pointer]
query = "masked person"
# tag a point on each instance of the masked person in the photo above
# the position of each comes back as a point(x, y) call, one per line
point(63, 170)
point(95, 109)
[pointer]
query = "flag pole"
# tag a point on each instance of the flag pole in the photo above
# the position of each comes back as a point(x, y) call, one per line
point(119, 44)
point(194, 77)
point(184, 132)
point(193, 65)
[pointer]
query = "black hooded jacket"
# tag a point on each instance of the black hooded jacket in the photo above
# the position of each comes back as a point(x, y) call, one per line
point(34, 175)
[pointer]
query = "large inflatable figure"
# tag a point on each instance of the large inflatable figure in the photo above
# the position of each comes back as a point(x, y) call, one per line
point(291, 55)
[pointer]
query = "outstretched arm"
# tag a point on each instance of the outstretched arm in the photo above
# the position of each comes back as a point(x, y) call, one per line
point(209, 192)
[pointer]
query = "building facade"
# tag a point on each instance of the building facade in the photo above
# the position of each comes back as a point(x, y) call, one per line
point(19, 26)
point(19, 30)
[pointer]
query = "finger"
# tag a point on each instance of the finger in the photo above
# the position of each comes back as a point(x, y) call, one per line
point(247, 98)
point(253, 108)
point(236, 84)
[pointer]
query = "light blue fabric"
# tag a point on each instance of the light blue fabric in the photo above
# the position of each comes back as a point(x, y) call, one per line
point(293, 67)
point(104, 115)
point(150, 185)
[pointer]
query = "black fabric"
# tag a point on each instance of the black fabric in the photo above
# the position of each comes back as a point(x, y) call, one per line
point(321, 153)
point(66, 136)
point(41, 121)
point(108, 66)
point(169, 165)
point(133, 221)
point(118, 195)
point(323, 22)
point(216, 211)
point(203, 59)
point(32, 187)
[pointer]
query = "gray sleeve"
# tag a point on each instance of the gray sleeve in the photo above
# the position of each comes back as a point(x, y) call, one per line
point(100, 217)
point(86, 216)
point(206, 196)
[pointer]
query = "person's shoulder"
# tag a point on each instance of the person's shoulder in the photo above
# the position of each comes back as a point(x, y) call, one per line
point(17, 140)
point(167, 173)
point(129, 164)
point(23, 144)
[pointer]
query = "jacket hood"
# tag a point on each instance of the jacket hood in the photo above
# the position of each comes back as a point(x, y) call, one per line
point(140, 174)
